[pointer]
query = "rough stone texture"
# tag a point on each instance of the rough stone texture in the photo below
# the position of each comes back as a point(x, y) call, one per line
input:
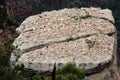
point(67, 36)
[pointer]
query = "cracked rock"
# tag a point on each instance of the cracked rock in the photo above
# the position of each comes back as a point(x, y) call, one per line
point(60, 37)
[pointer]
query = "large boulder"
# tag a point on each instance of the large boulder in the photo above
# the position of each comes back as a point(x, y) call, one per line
point(85, 37)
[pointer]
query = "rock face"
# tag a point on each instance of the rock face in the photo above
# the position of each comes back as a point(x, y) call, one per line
point(85, 37)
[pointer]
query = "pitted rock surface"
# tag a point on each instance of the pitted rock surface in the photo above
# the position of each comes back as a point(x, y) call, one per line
point(84, 37)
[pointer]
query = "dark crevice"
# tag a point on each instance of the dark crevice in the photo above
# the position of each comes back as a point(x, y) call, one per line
point(104, 19)
point(99, 68)
point(107, 20)
point(99, 17)
point(54, 42)
point(61, 41)
point(75, 38)
point(111, 34)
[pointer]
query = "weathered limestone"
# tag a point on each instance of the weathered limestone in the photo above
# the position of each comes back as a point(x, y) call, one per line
point(84, 37)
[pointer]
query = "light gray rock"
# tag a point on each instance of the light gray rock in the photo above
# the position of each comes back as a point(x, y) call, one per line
point(84, 37)
point(97, 12)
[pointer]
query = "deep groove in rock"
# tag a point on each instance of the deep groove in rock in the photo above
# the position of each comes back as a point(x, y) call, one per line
point(100, 17)
point(104, 19)
point(61, 41)
point(107, 20)
point(111, 34)
point(54, 42)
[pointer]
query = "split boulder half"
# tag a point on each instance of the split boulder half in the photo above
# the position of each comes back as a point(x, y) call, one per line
point(85, 37)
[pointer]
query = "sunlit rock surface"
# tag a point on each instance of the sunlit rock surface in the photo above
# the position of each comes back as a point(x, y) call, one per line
point(85, 37)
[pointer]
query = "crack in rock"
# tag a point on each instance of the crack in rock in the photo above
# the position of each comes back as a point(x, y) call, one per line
point(54, 42)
